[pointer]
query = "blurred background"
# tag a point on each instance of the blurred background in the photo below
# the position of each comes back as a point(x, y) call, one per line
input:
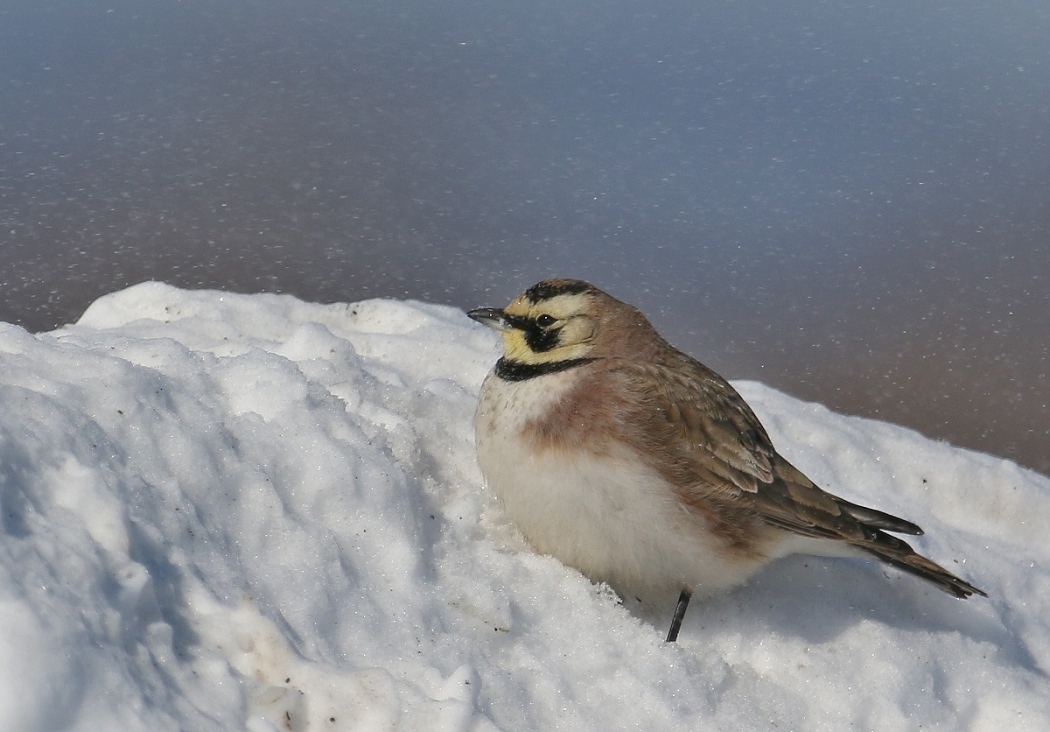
point(849, 201)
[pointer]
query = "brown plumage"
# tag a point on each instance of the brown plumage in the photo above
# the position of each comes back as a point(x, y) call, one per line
point(592, 412)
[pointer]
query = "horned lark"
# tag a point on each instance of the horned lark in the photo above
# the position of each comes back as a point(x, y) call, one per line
point(639, 466)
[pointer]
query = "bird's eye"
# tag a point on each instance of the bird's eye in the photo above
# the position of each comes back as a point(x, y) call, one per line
point(546, 321)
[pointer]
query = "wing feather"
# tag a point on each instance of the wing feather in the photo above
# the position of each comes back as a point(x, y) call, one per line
point(714, 448)
point(701, 434)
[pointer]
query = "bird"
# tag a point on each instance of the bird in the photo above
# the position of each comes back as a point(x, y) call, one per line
point(629, 460)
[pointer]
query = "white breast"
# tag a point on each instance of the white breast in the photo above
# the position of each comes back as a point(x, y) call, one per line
point(611, 517)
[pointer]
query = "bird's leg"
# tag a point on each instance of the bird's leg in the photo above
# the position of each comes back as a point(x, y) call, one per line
point(679, 613)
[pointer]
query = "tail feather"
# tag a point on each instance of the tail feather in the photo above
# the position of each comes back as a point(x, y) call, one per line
point(793, 503)
point(899, 554)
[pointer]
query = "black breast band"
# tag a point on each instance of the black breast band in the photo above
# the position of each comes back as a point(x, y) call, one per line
point(518, 371)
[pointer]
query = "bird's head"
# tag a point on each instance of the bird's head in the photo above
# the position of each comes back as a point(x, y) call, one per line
point(555, 320)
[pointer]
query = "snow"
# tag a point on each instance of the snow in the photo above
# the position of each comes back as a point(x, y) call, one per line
point(232, 512)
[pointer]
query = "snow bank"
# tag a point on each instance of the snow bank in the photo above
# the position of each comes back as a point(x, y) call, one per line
point(227, 512)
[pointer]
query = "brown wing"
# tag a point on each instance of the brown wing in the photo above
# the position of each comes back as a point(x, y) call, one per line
point(708, 442)
point(693, 413)
point(702, 435)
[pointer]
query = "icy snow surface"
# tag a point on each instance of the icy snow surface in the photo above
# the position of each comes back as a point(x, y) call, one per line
point(228, 512)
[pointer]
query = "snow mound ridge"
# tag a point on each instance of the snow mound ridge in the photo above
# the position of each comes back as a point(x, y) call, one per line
point(247, 512)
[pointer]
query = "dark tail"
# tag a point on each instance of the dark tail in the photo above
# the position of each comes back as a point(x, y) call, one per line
point(899, 554)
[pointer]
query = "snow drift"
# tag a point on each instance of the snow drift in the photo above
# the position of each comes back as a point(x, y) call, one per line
point(230, 512)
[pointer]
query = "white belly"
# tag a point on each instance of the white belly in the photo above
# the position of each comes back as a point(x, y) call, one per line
point(610, 517)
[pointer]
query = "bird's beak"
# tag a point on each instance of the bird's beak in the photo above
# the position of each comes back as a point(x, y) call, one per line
point(494, 318)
